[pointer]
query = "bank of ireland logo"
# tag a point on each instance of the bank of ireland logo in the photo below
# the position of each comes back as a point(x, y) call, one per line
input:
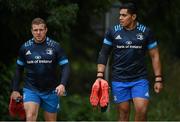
point(49, 51)
point(140, 36)
point(37, 57)
point(128, 42)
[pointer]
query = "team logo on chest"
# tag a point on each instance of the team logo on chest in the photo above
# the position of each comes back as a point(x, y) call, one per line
point(49, 51)
point(140, 36)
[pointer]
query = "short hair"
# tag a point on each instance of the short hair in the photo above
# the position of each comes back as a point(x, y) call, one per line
point(130, 6)
point(37, 21)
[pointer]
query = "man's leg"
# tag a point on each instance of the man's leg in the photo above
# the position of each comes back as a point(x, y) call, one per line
point(140, 94)
point(31, 104)
point(141, 106)
point(31, 109)
point(50, 104)
point(50, 116)
point(121, 94)
point(123, 111)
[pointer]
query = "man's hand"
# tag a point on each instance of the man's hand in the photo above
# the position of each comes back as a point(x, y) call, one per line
point(99, 79)
point(60, 90)
point(15, 95)
point(158, 87)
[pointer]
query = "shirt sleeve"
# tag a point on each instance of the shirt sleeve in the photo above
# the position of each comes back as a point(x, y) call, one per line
point(61, 56)
point(21, 59)
point(151, 41)
point(64, 63)
point(108, 38)
point(106, 48)
point(19, 70)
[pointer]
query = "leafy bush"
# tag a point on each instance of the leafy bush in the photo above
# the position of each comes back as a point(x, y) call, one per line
point(5, 77)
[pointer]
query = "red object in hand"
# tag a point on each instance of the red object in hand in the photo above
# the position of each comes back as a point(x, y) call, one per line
point(16, 108)
point(104, 98)
point(100, 93)
point(94, 97)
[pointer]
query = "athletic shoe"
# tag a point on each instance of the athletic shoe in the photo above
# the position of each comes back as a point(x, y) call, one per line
point(16, 108)
point(104, 100)
point(94, 97)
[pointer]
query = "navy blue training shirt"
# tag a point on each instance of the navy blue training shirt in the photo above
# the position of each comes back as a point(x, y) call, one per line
point(40, 61)
point(128, 50)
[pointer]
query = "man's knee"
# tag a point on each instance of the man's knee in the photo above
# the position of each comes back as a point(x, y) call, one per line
point(124, 114)
point(124, 111)
point(141, 115)
point(31, 116)
point(50, 116)
point(141, 110)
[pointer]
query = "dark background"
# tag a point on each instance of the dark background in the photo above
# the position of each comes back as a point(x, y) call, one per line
point(71, 23)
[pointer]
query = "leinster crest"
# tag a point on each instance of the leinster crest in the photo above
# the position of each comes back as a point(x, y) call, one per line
point(49, 51)
point(140, 36)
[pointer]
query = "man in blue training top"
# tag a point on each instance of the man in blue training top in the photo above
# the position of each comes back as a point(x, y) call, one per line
point(128, 42)
point(40, 57)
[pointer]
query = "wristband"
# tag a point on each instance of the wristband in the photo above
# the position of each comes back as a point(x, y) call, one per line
point(159, 76)
point(100, 77)
point(100, 72)
point(158, 81)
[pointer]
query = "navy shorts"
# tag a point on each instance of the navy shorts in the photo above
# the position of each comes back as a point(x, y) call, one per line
point(124, 91)
point(49, 101)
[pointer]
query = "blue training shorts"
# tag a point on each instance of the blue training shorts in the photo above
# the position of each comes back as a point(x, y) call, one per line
point(49, 101)
point(124, 91)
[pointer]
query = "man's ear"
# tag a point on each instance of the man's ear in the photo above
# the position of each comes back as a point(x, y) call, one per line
point(134, 16)
point(46, 29)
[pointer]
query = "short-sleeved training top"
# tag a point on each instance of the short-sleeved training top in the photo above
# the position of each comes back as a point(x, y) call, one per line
point(128, 51)
point(40, 61)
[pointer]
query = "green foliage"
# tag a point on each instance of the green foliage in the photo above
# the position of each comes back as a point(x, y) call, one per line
point(164, 106)
point(82, 73)
point(77, 108)
point(60, 20)
point(6, 74)
point(61, 16)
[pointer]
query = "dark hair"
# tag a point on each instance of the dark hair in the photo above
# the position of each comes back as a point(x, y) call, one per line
point(38, 21)
point(130, 6)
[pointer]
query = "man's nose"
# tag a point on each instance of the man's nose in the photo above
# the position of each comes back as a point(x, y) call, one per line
point(38, 31)
point(120, 17)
